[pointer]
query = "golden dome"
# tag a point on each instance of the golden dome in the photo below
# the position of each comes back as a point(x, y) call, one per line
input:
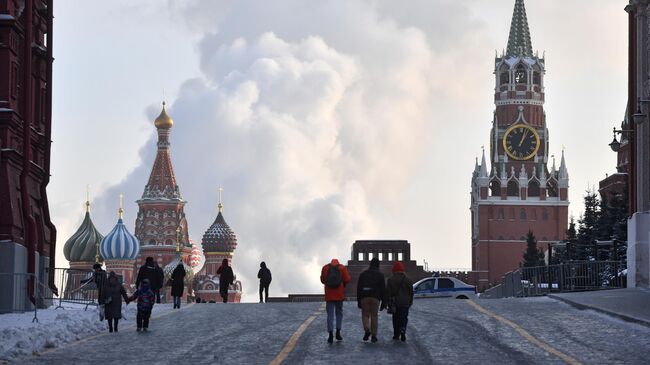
point(163, 121)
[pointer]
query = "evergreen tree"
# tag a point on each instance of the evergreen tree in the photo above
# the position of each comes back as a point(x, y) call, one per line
point(571, 240)
point(533, 256)
point(588, 227)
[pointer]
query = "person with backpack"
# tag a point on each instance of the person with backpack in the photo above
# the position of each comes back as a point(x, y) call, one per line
point(112, 298)
point(335, 277)
point(399, 296)
point(226, 278)
point(178, 284)
point(146, 299)
point(265, 280)
point(370, 291)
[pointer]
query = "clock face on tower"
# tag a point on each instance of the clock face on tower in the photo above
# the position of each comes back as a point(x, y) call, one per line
point(521, 142)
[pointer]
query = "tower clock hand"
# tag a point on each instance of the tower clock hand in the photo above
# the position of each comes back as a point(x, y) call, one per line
point(523, 137)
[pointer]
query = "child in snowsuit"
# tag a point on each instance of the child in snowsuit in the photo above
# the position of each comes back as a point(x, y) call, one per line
point(146, 299)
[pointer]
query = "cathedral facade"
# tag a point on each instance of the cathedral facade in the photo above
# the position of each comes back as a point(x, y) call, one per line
point(517, 191)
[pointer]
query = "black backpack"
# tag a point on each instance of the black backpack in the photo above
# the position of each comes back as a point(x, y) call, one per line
point(334, 277)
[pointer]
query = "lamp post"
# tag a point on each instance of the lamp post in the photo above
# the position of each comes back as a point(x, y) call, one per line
point(615, 145)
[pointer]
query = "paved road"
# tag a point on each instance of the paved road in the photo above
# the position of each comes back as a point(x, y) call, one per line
point(507, 331)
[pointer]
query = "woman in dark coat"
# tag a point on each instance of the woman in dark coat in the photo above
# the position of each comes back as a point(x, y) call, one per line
point(226, 278)
point(112, 296)
point(178, 284)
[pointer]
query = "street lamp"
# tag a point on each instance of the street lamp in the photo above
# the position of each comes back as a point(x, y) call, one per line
point(615, 145)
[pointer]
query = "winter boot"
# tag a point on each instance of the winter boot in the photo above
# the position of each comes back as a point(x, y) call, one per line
point(138, 329)
point(402, 336)
point(374, 339)
point(330, 339)
point(366, 336)
point(338, 335)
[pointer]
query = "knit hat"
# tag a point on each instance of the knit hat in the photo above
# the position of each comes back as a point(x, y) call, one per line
point(398, 267)
point(374, 263)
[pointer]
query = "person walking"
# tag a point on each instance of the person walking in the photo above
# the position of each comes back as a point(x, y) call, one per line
point(112, 297)
point(370, 292)
point(158, 283)
point(99, 279)
point(265, 280)
point(226, 278)
point(151, 271)
point(399, 294)
point(178, 284)
point(146, 299)
point(334, 277)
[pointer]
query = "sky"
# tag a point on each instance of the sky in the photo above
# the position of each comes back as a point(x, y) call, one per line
point(325, 122)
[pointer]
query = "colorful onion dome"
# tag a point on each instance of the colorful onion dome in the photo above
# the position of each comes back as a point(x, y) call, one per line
point(219, 237)
point(197, 259)
point(82, 246)
point(169, 269)
point(163, 121)
point(119, 244)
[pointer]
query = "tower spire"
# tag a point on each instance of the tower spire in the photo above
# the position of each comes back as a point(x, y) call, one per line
point(120, 211)
point(87, 198)
point(220, 205)
point(519, 43)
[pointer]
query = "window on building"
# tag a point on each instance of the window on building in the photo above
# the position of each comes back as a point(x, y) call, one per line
point(537, 76)
point(551, 189)
point(504, 78)
point(495, 188)
point(521, 75)
point(370, 256)
point(533, 215)
point(445, 284)
point(513, 187)
point(544, 214)
point(511, 213)
point(380, 256)
point(400, 256)
point(359, 256)
point(501, 215)
point(533, 188)
point(522, 214)
point(390, 256)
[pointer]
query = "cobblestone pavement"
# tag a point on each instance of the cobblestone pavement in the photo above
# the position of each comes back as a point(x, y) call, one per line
point(441, 331)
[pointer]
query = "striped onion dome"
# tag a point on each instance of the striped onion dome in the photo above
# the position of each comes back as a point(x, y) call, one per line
point(219, 237)
point(82, 246)
point(169, 269)
point(119, 244)
point(197, 259)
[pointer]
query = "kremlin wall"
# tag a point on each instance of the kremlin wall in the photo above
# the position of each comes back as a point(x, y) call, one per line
point(161, 232)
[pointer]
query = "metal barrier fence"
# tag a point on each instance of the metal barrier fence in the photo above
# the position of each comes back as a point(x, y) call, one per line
point(16, 294)
point(566, 277)
point(75, 286)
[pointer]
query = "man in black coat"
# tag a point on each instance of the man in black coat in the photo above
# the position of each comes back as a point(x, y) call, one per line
point(265, 280)
point(226, 278)
point(150, 270)
point(178, 284)
point(370, 291)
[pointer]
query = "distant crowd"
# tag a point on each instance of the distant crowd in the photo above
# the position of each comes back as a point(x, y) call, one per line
point(374, 294)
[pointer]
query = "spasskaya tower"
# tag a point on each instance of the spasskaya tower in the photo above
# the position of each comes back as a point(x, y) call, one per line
point(517, 192)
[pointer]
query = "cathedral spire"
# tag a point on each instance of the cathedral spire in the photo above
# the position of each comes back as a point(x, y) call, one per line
point(220, 206)
point(483, 172)
point(519, 43)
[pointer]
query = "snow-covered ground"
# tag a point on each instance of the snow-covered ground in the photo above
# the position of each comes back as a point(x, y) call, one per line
point(55, 327)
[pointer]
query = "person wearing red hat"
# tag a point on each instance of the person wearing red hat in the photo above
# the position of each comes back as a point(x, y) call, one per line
point(399, 296)
point(335, 277)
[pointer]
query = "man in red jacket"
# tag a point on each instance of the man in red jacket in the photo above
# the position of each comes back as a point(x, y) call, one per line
point(334, 276)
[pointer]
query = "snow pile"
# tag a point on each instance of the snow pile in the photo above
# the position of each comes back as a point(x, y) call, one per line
point(20, 337)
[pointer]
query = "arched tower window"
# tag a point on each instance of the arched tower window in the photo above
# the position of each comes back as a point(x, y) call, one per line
point(537, 76)
point(533, 188)
point(551, 188)
point(513, 187)
point(495, 188)
point(521, 76)
point(504, 75)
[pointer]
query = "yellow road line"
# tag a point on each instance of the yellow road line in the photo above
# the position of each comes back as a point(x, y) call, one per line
point(543, 345)
point(293, 340)
point(86, 339)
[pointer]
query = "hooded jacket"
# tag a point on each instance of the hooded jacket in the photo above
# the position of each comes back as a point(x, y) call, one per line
point(178, 281)
point(335, 294)
point(150, 270)
point(400, 287)
point(264, 275)
point(371, 283)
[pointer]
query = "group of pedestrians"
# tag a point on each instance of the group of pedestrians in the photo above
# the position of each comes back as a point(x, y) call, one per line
point(373, 295)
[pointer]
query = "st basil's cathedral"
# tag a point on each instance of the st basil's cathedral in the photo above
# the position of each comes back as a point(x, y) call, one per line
point(161, 232)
